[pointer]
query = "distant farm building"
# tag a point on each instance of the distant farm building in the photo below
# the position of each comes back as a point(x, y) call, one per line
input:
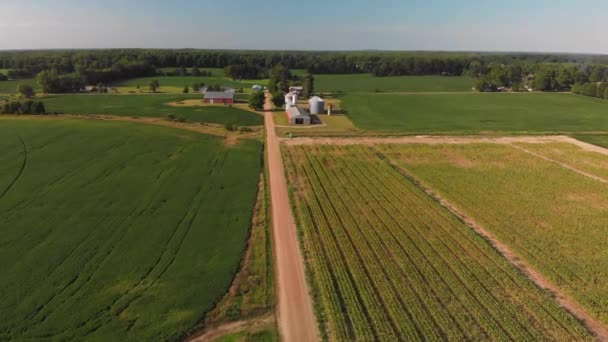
point(298, 116)
point(316, 105)
point(291, 100)
point(257, 87)
point(219, 97)
point(297, 90)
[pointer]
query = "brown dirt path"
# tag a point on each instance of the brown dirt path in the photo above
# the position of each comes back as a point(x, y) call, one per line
point(233, 327)
point(296, 319)
point(595, 326)
point(436, 140)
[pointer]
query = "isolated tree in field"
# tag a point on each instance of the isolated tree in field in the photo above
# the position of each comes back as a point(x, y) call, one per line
point(3, 77)
point(278, 99)
point(256, 100)
point(186, 90)
point(154, 85)
point(308, 85)
point(39, 108)
point(195, 71)
point(25, 90)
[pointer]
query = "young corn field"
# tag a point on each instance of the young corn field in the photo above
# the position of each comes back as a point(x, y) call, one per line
point(550, 215)
point(386, 262)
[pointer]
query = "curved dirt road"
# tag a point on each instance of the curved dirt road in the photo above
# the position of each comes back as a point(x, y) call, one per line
point(296, 319)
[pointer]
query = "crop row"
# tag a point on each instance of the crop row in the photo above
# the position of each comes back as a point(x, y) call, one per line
point(389, 263)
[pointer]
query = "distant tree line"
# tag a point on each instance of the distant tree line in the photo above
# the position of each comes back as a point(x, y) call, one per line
point(544, 72)
point(593, 89)
point(245, 72)
point(539, 76)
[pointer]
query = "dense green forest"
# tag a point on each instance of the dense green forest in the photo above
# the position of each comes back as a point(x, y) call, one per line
point(70, 70)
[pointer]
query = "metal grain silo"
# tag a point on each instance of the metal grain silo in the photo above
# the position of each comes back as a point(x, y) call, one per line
point(317, 105)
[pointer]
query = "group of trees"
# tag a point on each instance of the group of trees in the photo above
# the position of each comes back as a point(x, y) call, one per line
point(183, 71)
point(22, 107)
point(593, 89)
point(245, 72)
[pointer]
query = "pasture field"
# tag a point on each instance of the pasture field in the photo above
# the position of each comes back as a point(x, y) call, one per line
point(549, 215)
point(386, 262)
point(175, 84)
point(10, 87)
point(474, 113)
point(366, 83)
point(149, 106)
point(118, 231)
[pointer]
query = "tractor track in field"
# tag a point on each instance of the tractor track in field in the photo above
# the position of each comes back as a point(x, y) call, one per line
point(593, 325)
point(21, 169)
point(564, 165)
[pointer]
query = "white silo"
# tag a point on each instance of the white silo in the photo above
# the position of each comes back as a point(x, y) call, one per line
point(291, 100)
point(316, 105)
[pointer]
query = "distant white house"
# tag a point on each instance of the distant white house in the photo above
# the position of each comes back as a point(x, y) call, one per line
point(257, 87)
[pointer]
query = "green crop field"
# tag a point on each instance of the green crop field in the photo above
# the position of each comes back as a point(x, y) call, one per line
point(149, 106)
point(10, 87)
point(117, 231)
point(386, 262)
point(353, 83)
point(453, 113)
point(549, 215)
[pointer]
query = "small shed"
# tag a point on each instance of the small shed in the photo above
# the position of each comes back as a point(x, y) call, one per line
point(257, 87)
point(224, 97)
point(316, 105)
point(298, 116)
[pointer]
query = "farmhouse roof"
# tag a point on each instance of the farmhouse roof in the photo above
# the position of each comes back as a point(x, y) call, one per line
point(294, 112)
point(219, 95)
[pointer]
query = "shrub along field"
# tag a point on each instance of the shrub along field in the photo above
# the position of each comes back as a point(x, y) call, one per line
point(149, 106)
point(549, 215)
point(118, 231)
point(353, 83)
point(386, 262)
point(453, 113)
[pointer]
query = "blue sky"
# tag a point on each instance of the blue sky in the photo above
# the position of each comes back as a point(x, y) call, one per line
point(515, 25)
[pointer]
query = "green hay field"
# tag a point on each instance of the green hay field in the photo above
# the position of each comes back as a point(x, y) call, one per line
point(118, 231)
point(176, 84)
point(149, 106)
point(472, 113)
point(367, 83)
point(10, 87)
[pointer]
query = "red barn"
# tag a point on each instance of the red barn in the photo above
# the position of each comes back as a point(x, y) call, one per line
point(219, 97)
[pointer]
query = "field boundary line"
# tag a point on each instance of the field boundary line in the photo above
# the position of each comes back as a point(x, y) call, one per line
point(439, 139)
point(23, 164)
point(564, 165)
point(595, 326)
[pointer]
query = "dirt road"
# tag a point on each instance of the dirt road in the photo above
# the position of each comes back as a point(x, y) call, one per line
point(296, 319)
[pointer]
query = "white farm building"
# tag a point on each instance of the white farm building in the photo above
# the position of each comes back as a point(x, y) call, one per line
point(298, 116)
